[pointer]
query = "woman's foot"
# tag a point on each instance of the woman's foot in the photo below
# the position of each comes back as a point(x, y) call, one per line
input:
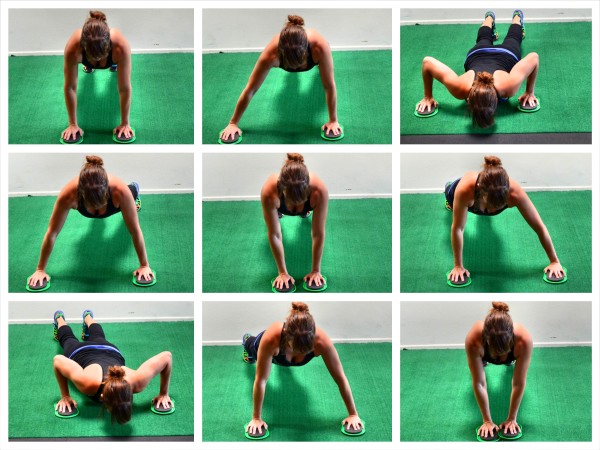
point(492, 25)
point(247, 358)
point(519, 18)
point(59, 320)
point(113, 68)
point(88, 69)
point(88, 319)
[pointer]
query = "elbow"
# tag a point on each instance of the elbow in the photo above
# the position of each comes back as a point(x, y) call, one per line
point(535, 58)
point(56, 361)
point(125, 90)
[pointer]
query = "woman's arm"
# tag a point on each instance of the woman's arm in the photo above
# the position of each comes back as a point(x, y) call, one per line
point(122, 53)
point(257, 77)
point(274, 231)
point(527, 68)
point(523, 203)
point(473, 350)
point(65, 370)
point(523, 351)
point(159, 364)
point(268, 345)
point(334, 366)
point(59, 215)
point(70, 71)
point(122, 194)
point(431, 68)
point(325, 58)
point(459, 220)
point(318, 231)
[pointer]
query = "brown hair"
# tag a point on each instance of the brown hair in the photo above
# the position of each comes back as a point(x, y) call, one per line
point(299, 332)
point(93, 182)
point(117, 395)
point(483, 100)
point(293, 43)
point(294, 180)
point(95, 36)
point(493, 183)
point(498, 329)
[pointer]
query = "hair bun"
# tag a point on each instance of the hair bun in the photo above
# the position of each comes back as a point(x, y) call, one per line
point(297, 157)
point(484, 78)
point(116, 372)
point(299, 307)
point(500, 306)
point(94, 160)
point(295, 20)
point(492, 161)
point(98, 15)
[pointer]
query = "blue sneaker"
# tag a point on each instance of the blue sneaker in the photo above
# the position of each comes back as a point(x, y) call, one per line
point(518, 12)
point(247, 358)
point(138, 200)
point(57, 314)
point(85, 333)
point(493, 16)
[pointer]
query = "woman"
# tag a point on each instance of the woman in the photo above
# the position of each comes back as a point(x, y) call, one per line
point(295, 191)
point(492, 73)
point(497, 341)
point(95, 194)
point(295, 49)
point(97, 369)
point(96, 46)
point(294, 343)
point(488, 193)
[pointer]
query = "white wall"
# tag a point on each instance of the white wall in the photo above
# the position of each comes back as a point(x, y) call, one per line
point(429, 172)
point(47, 173)
point(224, 323)
point(410, 16)
point(249, 30)
point(240, 176)
point(40, 312)
point(425, 324)
point(46, 31)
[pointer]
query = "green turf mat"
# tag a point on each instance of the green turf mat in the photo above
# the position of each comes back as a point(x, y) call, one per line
point(502, 252)
point(437, 401)
point(565, 73)
point(301, 403)
point(97, 255)
point(290, 108)
point(33, 390)
point(162, 100)
point(236, 256)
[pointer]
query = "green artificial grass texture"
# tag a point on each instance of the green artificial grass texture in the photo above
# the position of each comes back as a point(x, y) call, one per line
point(236, 256)
point(565, 72)
point(97, 255)
point(301, 403)
point(162, 100)
point(437, 402)
point(502, 253)
point(290, 108)
point(33, 389)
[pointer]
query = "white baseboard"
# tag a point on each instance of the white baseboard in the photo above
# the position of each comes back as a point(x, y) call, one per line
point(254, 198)
point(77, 321)
point(478, 21)
point(462, 346)
point(440, 190)
point(141, 51)
point(237, 342)
point(338, 48)
point(143, 192)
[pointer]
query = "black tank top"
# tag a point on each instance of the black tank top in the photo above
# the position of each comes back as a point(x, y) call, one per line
point(488, 358)
point(284, 210)
point(104, 355)
point(110, 209)
point(281, 360)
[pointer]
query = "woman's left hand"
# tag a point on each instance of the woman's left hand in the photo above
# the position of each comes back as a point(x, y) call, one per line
point(315, 278)
point(162, 400)
point(353, 422)
point(333, 126)
point(144, 273)
point(510, 426)
point(528, 99)
point(554, 269)
point(123, 131)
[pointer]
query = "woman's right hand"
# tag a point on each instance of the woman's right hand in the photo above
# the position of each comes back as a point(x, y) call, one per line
point(459, 273)
point(255, 426)
point(428, 104)
point(71, 132)
point(38, 278)
point(229, 132)
point(66, 404)
point(487, 429)
point(283, 280)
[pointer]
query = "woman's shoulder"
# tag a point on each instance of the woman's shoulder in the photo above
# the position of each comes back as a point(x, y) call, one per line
point(120, 44)
point(473, 339)
point(73, 46)
point(269, 188)
point(322, 342)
